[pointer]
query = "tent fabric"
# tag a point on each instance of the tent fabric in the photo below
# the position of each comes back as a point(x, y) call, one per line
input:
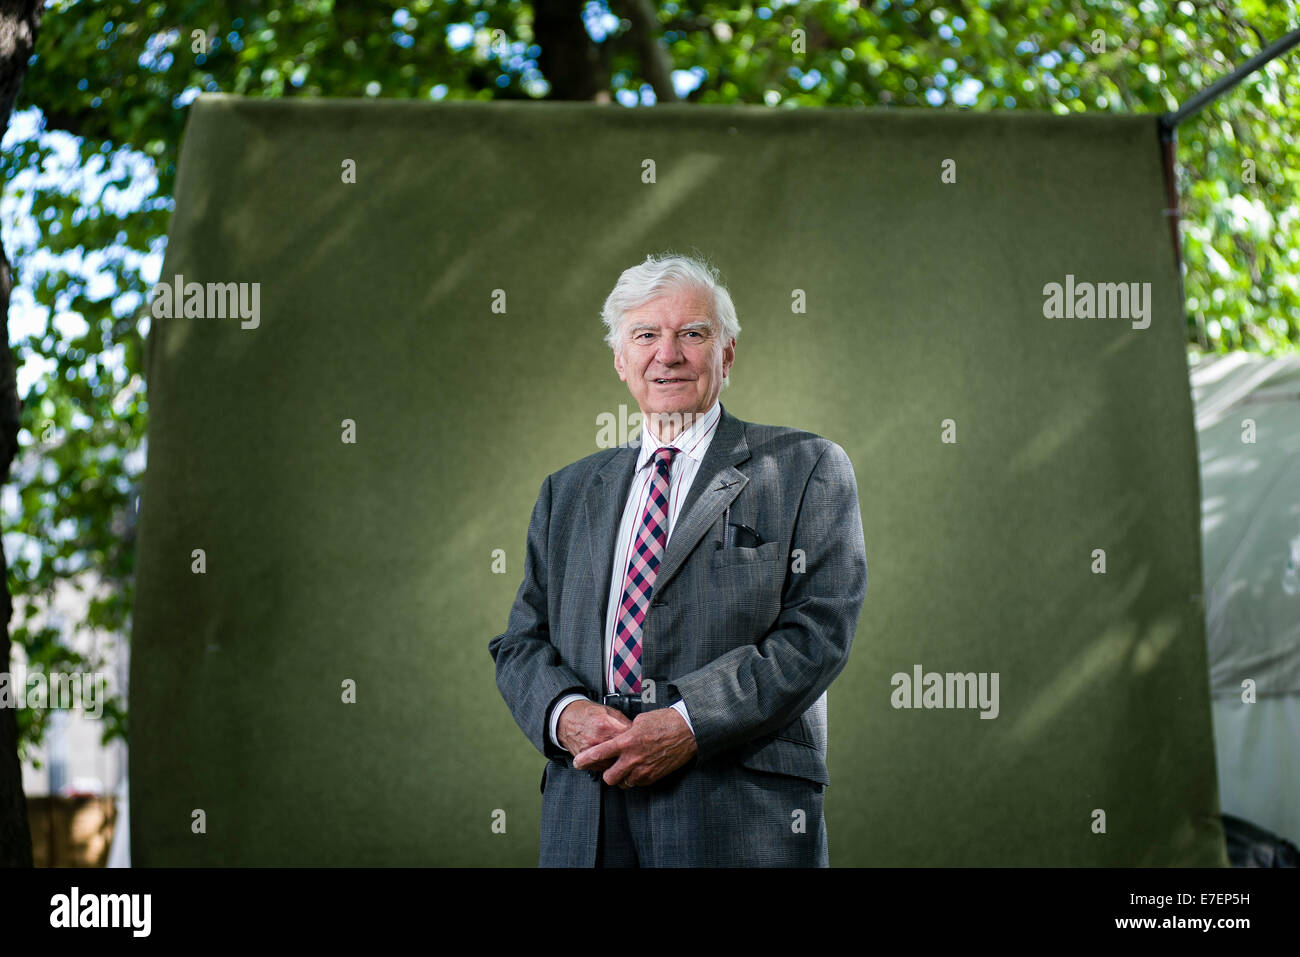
point(337, 496)
point(1259, 761)
point(1248, 429)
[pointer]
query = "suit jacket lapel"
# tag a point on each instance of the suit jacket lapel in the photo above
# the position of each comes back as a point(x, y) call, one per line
point(605, 501)
point(709, 494)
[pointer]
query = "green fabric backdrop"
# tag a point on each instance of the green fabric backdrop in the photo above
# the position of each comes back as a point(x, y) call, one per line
point(374, 561)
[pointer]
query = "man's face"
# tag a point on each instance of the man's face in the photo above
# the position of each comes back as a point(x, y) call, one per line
point(673, 338)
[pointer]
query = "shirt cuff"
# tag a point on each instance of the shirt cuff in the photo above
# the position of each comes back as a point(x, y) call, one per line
point(680, 708)
point(560, 705)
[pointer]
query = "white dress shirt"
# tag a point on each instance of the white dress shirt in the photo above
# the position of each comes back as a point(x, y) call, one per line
point(691, 445)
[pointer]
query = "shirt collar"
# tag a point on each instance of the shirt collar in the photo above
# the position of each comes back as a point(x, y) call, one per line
point(692, 442)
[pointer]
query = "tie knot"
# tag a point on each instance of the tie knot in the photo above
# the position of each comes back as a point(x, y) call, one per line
point(664, 458)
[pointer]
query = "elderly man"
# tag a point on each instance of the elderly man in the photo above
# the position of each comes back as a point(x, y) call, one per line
point(686, 601)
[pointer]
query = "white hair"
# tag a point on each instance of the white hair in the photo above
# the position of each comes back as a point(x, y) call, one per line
point(658, 276)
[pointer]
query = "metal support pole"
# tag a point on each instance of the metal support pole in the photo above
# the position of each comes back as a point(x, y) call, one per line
point(1169, 121)
point(1168, 125)
point(1168, 149)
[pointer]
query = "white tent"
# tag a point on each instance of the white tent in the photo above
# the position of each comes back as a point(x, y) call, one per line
point(1248, 432)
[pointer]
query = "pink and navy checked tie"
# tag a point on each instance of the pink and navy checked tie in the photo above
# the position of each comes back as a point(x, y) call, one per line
point(642, 568)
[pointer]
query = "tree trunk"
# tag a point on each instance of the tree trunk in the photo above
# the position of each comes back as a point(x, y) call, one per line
point(656, 65)
point(570, 60)
point(19, 21)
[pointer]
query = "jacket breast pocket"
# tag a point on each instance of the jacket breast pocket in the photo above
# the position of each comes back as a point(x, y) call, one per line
point(746, 586)
point(767, 552)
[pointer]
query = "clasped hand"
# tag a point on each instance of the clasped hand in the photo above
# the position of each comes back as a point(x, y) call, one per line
point(629, 753)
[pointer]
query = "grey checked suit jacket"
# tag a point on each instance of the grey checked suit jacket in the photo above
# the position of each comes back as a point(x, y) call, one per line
point(749, 638)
